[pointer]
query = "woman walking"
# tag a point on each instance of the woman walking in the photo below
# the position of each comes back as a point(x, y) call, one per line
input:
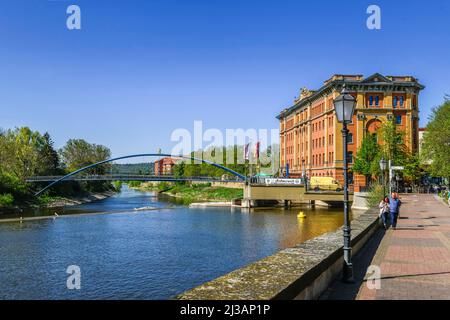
point(384, 211)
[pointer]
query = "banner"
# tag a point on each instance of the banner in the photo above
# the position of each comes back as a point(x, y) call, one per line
point(246, 151)
point(257, 150)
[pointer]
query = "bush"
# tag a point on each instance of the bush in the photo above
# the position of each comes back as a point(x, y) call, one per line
point(117, 185)
point(134, 184)
point(163, 186)
point(375, 195)
point(6, 200)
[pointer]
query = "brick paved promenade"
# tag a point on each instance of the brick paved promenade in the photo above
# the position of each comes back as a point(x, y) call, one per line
point(414, 259)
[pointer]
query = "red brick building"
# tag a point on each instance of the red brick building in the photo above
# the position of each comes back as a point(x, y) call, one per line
point(164, 166)
point(311, 138)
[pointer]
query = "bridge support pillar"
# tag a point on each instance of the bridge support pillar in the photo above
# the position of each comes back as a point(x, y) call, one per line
point(248, 203)
point(287, 204)
point(312, 203)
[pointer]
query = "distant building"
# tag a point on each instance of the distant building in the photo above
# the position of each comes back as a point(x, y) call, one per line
point(164, 166)
point(310, 136)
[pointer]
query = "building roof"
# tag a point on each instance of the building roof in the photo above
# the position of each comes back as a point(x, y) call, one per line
point(166, 160)
point(355, 81)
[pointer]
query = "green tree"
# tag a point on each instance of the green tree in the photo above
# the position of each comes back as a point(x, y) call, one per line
point(413, 168)
point(367, 158)
point(436, 142)
point(50, 157)
point(78, 153)
point(393, 143)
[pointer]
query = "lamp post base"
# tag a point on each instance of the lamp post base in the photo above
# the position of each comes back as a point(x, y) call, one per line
point(347, 273)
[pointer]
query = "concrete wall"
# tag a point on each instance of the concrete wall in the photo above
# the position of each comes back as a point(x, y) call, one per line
point(360, 201)
point(233, 185)
point(293, 193)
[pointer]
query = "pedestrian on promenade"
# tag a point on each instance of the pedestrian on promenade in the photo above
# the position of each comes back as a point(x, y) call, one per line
point(448, 197)
point(384, 211)
point(394, 209)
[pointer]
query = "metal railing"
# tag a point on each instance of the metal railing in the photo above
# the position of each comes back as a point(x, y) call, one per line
point(122, 177)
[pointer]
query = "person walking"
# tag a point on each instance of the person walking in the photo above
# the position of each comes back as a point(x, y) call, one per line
point(394, 209)
point(448, 197)
point(384, 211)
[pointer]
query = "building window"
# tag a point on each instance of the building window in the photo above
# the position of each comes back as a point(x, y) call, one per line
point(395, 100)
point(371, 101)
point(398, 119)
point(402, 100)
point(350, 157)
point(350, 138)
point(377, 101)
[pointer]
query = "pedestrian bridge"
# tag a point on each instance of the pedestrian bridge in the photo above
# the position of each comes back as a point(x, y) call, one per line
point(122, 177)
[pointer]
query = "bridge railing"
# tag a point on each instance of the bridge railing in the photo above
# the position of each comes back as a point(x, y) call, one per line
point(126, 177)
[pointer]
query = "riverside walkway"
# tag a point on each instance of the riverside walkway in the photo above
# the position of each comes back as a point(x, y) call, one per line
point(414, 260)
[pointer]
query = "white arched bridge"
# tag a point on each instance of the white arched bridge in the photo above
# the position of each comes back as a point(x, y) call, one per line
point(72, 176)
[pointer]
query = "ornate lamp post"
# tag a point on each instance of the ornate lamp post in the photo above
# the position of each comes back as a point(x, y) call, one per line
point(305, 181)
point(344, 105)
point(383, 167)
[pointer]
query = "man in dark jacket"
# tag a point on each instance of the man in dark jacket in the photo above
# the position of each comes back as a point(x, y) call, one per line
point(394, 208)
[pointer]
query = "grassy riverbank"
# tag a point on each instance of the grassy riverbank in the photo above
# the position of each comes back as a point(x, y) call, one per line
point(190, 193)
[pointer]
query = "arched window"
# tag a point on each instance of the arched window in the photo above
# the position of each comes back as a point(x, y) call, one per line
point(377, 100)
point(402, 100)
point(371, 101)
point(395, 101)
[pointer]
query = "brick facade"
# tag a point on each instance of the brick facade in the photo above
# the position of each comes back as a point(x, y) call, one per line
point(311, 138)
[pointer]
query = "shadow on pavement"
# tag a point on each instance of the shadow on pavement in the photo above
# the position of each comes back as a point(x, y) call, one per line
point(349, 291)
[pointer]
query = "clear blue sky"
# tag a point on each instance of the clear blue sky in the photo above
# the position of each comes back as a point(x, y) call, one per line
point(139, 69)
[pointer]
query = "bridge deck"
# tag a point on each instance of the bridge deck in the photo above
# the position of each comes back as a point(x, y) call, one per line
point(295, 193)
point(165, 178)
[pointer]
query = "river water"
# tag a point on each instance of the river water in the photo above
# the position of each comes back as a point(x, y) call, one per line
point(128, 254)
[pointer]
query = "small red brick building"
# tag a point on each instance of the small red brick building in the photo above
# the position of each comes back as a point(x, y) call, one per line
point(164, 166)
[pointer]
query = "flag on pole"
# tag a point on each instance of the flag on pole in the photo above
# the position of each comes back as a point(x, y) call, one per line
point(246, 151)
point(257, 150)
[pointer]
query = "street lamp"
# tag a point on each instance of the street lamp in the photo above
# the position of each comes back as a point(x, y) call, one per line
point(344, 105)
point(305, 181)
point(383, 167)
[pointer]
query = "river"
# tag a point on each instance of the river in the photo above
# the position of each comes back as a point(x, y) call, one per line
point(128, 254)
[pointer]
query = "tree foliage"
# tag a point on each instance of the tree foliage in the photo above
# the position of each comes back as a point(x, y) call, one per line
point(367, 157)
point(393, 145)
point(389, 143)
point(25, 153)
point(78, 153)
point(436, 142)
